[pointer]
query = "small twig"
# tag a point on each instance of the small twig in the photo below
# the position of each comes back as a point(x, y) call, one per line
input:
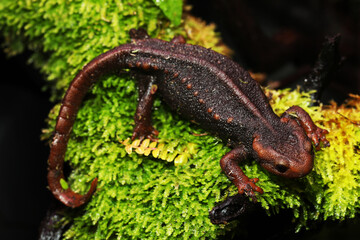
point(328, 62)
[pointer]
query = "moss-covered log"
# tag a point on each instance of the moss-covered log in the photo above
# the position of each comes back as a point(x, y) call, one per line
point(142, 196)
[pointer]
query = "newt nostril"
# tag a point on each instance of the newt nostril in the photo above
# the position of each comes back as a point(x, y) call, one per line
point(281, 168)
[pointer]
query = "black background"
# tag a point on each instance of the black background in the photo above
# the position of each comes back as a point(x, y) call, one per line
point(23, 109)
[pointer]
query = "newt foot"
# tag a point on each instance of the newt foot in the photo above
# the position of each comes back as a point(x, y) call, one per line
point(319, 136)
point(143, 131)
point(249, 188)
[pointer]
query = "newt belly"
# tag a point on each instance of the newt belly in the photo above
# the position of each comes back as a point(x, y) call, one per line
point(203, 86)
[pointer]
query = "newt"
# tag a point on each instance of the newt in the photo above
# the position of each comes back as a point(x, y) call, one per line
point(202, 86)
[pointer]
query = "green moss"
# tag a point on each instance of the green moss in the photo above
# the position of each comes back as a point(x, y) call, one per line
point(339, 165)
point(171, 8)
point(66, 35)
point(144, 197)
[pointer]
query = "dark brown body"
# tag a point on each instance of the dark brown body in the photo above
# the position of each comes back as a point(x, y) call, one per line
point(203, 86)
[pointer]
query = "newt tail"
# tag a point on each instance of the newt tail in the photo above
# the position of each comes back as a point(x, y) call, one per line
point(108, 63)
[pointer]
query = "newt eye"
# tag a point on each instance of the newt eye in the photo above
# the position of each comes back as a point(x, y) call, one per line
point(281, 168)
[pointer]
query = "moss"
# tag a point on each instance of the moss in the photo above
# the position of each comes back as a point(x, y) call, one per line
point(339, 165)
point(142, 196)
point(66, 35)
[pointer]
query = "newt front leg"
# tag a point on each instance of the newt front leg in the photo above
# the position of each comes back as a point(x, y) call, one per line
point(230, 165)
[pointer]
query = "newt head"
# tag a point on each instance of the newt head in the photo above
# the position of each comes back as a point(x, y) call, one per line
point(289, 153)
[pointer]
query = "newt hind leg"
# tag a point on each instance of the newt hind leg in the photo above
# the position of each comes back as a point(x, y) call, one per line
point(143, 127)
